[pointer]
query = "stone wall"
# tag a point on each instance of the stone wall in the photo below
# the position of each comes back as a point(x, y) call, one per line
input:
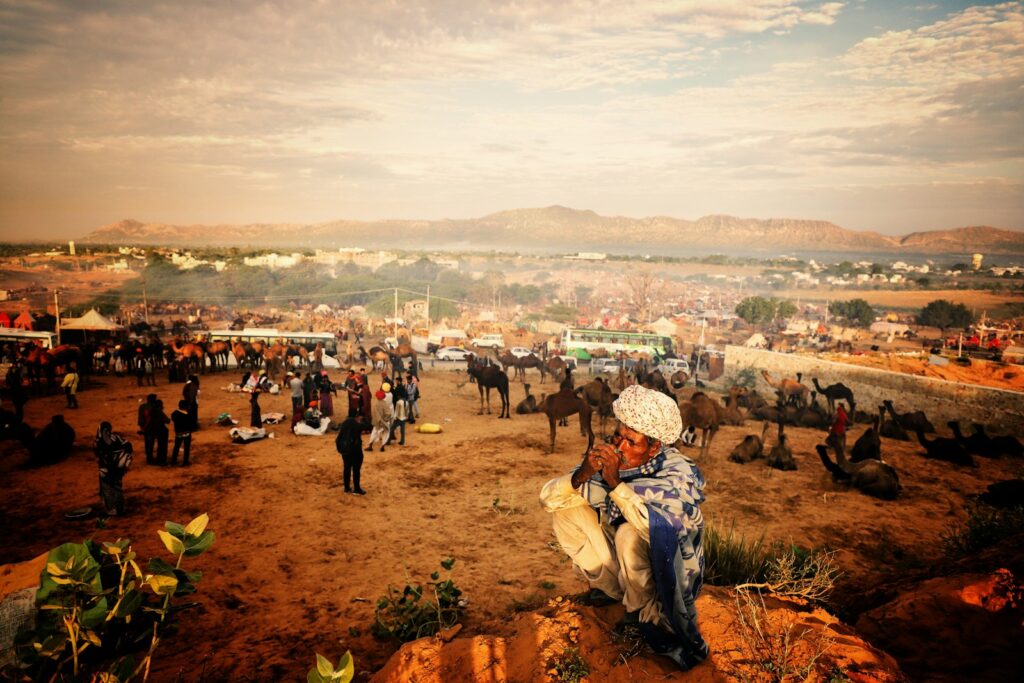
point(941, 400)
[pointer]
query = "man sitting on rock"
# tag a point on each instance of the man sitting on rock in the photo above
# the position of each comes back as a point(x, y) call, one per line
point(629, 517)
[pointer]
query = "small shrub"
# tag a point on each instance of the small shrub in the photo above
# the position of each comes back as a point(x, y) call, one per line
point(730, 559)
point(783, 569)
point(747, 378)
point(405, 615)
point(98, 609)
point(984, 526)
point(779, 649)
point(325, 672)
point(570, 666)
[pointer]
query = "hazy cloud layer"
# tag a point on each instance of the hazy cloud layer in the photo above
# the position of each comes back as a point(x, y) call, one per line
point(303, 111)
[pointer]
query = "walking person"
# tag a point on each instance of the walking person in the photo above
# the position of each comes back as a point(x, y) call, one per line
point(350, 445)
point(837, 431)
point(156, 429)
point(149, 367)
point(412, 394)
point(148, 437)
point(70, 386)
point(182, 434)
point(382, 413)
point(295, 385)
point(327, 394)
point(255, 416)
point(114, 456)
point(190, 392)
point(400, 417)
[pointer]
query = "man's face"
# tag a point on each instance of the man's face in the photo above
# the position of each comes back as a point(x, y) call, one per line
point(633, 446)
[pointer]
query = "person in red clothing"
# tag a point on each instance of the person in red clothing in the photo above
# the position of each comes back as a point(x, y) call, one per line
point(838, 429)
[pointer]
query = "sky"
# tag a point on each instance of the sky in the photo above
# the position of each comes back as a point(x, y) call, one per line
point(875, 115)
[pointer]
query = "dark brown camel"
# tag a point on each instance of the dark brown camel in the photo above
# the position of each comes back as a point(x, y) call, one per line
point(561, 405)
point(529, 404)
point(751, 448)
point(836, 392)
point(598, 395)
point(491, 377)
point(944, 449)
point(780, 456)
point(891, 428)
point(868, 445)
point(1002, 444)
point(700, 413)
point(531, 361)
point(871, 477)
point(911, 421)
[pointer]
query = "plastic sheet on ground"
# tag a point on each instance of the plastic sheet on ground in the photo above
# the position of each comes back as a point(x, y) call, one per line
point(272, 418)
point(303, 429)
point(247, 434)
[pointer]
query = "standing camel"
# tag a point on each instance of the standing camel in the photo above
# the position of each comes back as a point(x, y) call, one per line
point(598, 395)
point(217, 352)
point(700, 413)
point(791, 389)
point(491, 377)
point(561, 405)
point(191, 355)
point(531, 361)
point(836, 392)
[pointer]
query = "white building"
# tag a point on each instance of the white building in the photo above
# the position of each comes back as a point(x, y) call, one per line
point(274, 261)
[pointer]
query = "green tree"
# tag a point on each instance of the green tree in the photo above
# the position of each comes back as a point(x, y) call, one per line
point(857, 312)
point(784, 309)
point(945, 314)
point(756, 310)
point(561, 313)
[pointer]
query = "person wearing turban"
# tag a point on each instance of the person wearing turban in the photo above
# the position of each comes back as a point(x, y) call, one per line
point(629, 518)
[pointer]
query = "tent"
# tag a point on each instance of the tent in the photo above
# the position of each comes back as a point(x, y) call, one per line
point(90, 321)
point(25, 321)
point(663, 326)
point(756, 341)
point(5, 320)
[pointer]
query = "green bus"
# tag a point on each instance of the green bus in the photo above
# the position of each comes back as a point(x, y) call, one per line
point(579, 342)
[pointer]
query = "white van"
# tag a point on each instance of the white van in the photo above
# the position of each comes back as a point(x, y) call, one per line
point(494, 341)
point(669, 366)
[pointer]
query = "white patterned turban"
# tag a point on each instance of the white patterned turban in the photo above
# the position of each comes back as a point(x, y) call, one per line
point(649, 412)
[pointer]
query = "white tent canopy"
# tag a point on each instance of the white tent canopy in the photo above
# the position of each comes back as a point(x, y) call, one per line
point(756, 341)
point(90, 321)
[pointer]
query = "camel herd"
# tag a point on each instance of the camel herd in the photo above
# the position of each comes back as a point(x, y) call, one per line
point(795, 403)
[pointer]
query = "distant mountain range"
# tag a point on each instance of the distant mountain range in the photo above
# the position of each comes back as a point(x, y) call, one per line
point(561, 229)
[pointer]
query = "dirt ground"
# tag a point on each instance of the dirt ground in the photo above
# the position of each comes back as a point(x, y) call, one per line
point(298, 565)
point(985, 373)
point(908, 299)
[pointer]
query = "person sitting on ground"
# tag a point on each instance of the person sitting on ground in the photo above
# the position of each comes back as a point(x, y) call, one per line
point(114, 456)
point(54, 442)
point(312, 415)
point(629, 518)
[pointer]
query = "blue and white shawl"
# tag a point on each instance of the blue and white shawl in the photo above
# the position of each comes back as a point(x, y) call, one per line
point(672, 487)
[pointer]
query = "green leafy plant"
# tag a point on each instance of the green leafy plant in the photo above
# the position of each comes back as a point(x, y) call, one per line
point(730, 559)
point(325, 672)
point(984, 526)
point(98, 609)
point(570, 666)
point(405, 615)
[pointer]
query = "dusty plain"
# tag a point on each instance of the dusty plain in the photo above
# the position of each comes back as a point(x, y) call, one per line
point(298, 565)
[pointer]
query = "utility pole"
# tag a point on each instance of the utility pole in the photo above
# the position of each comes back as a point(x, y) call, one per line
point(56, 312)
point(145, 303)
point(396, 314)
point(428, 310)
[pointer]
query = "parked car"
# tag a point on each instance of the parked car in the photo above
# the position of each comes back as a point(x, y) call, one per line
point(673, 365)
point(520, 351)
point(493, 341)
point(451, 353)
point(600, 366)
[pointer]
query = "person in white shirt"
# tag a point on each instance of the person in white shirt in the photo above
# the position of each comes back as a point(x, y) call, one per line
point(629, 518)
